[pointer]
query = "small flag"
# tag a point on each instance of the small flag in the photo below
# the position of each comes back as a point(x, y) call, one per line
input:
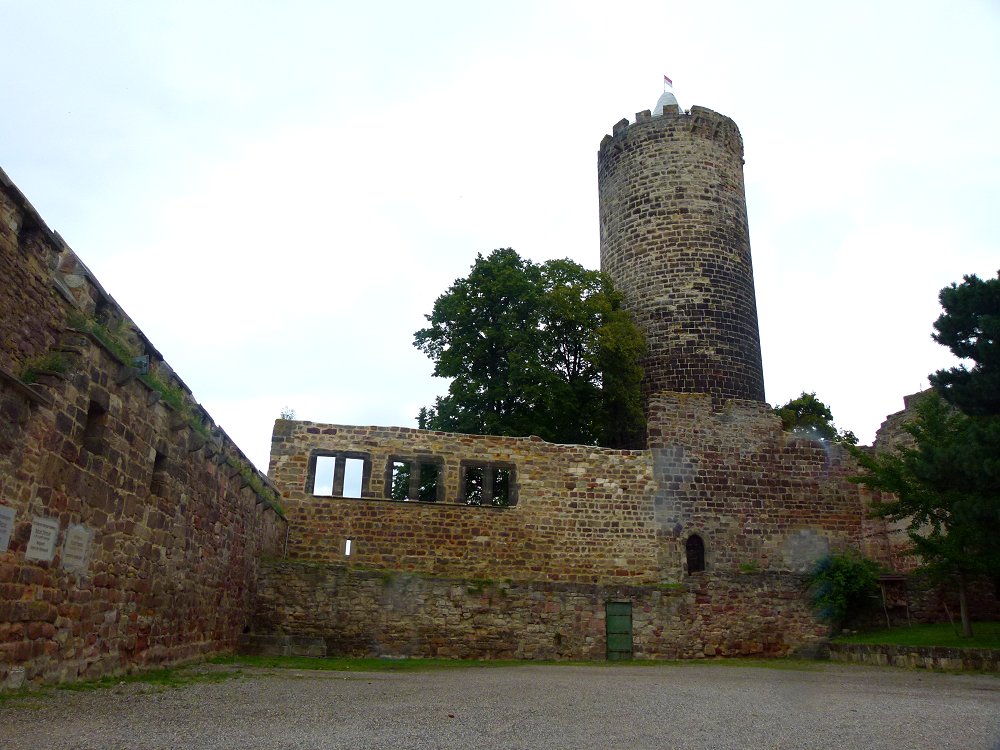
point(667, 82)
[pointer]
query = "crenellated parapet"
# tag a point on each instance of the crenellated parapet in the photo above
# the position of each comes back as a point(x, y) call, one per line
point(701, 121)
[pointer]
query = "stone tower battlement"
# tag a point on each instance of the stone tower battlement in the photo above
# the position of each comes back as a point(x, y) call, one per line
point(675, 240)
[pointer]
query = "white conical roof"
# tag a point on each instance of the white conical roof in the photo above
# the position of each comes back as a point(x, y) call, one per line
point(666, 99)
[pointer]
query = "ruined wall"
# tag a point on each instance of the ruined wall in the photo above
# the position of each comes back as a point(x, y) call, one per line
point(927, 602)
point(582, 514)
point(131, 526)
point(335, 610)
point(707, 534)
point(760, 497)
point(589, 526)
point(674, 239)
point(33, 299)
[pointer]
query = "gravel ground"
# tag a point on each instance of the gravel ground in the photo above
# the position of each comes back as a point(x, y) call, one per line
point(686, 706)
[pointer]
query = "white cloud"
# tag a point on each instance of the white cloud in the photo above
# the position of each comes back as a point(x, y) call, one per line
point(278, 194)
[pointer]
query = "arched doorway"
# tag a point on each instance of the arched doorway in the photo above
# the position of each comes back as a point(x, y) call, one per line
point(695, 548)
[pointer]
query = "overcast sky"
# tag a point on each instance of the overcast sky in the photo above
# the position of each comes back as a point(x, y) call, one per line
point(277, 192)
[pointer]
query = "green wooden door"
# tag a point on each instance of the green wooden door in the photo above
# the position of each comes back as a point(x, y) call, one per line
point(618, 616)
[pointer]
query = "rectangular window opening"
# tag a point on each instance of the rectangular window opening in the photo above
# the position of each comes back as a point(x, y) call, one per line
point(428, 487)
point(501, 487)
point(399, 482)
point(323, 482)
point(473, 485)
point(354, 469)
point(490, 484)
point(347, 548)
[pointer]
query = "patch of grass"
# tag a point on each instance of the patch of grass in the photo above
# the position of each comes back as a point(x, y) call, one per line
point(479, 585)
point(781, 663)
point(168, 393)
point(252, 478)
point(23, 696)
point(49, 362)
point(364, 664)
point(369, 664)
point(985, 635)
point(160, 679)
point(111, 338)
point(670, 586)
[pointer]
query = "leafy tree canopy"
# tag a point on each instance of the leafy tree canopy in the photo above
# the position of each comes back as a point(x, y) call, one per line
point(843, 587)
point(970, 327)
point(946, 488)
point(807, 415)
point(535, 349)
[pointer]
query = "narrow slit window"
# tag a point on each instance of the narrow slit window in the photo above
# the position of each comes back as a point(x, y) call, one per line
point(95, 428)
point(354, 469)
point(347, 548)
point(323, 483)
point(158, 481)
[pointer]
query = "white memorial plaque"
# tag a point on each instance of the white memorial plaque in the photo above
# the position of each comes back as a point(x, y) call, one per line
point(42, 544)
point(6, 526)
point(76, 548)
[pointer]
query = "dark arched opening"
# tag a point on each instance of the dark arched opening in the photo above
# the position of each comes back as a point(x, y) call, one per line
point(695, 548)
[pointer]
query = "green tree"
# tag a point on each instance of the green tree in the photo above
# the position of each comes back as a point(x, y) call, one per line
point(807, 415)
point(946, 488)
point(534, 349)
point(843, 587)
point(970, 327)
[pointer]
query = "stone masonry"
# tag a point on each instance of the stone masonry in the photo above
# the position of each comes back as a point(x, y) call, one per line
point(589, 526)
point(674, 238)
point(703, 538)
point(135, 531)
point(583, 514)
point(337, 609)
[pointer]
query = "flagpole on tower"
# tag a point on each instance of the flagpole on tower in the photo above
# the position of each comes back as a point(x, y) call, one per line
point(667, 83)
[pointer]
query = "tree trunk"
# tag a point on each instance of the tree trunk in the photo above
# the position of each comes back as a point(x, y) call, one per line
point(964, 607)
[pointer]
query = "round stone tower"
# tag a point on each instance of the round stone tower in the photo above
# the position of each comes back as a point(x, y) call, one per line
point(674, 239)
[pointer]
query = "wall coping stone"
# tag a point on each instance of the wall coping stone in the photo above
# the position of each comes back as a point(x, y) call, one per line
point(920, 657)
point(24, 389)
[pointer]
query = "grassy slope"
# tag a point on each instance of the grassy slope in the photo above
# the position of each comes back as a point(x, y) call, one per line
point(985, 635)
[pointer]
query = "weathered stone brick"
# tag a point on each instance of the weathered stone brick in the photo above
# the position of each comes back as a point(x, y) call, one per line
point(72, 624)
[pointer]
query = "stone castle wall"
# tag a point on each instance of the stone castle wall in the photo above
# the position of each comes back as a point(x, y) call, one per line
point(762, 498)
point(675, 240)
point(131, 527)
point(582, 514)
point(33, 298)
point(758, 497)
point(589, 525)
point(333, 609)
point(139, 534)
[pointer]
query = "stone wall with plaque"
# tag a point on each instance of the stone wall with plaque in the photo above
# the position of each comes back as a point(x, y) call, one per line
point(42, 542)
point(141, 521)
point(76, 548)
